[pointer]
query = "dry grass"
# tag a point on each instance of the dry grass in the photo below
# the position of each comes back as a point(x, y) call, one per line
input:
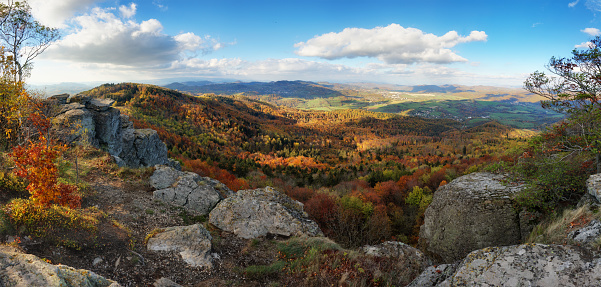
point(556, 229)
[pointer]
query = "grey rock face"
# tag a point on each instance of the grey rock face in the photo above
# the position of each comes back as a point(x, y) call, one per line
point(254, 213)
point(471, 212)
point(434, 275)
point(76, 124)
point(19, 269)
point(528, 265)
point(593, 185)
point(187, 189)
point(192, 242)
point(107, 128)
point(587, 234)
point(142, 147)
point(149, 147)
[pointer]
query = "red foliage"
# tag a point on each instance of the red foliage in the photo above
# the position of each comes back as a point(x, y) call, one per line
point(301, 194)
point(35, 163)
point(322, 208)
point(203, 168)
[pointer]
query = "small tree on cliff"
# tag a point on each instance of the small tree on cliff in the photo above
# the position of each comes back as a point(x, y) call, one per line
point(575, 90)
point(23, 37)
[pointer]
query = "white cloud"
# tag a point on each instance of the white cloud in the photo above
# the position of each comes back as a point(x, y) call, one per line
point(128, 12)
point(572, 4)
point(54, 13)
point(593, 5)
point(158, 4)
point(392, 44)
point(583, 45)
point(592, 31)
point(102, 37)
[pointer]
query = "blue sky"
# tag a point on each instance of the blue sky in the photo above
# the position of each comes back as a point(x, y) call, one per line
point(401, 42)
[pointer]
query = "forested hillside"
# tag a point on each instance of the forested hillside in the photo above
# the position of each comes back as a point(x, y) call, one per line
point(363, 176)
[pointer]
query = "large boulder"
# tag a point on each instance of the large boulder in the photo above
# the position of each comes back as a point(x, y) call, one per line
point(471, 212)
point(254, 213)
point(187, 189)
point(192, 242)
point(528, 265)
point(19, 269)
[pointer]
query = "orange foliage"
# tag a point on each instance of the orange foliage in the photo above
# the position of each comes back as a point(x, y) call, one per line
point(204, 169)
point(35, 163)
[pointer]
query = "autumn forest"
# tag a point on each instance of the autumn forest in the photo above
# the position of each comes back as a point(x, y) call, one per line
point(363, 176)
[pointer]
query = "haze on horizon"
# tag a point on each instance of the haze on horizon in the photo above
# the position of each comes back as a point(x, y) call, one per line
point(494, 43)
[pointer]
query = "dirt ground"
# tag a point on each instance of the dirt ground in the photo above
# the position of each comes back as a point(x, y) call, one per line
point(122, 255)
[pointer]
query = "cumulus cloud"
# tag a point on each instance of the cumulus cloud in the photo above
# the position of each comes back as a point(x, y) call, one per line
point(269, 68)
point(583, 45)
point(102, 37)
point(592, 31)
point(392, 44)
point(54, 13)
point(128, 12)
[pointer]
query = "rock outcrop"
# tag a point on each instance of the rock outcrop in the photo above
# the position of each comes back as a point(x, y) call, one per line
point(187, 189)
point(192, 242)
point(19, 269)
point(95, 122)
point(471, 212)
point(254, 213)
point(527, 265)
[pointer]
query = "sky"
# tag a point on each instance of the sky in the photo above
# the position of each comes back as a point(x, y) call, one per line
point(405, 42)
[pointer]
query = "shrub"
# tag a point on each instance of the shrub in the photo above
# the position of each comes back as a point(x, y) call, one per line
point(75, 228)
point(551, 182)
point(36, 163)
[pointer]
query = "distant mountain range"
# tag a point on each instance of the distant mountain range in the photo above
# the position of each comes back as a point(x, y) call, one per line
point(284, 89)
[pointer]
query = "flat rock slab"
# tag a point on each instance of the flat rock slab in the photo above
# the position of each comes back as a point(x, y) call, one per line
point(257, 212)
point(192, 242)
point(528, 265)
point(187, 189)
point(20, 269)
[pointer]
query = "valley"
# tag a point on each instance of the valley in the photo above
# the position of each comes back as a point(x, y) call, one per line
point(510, 106)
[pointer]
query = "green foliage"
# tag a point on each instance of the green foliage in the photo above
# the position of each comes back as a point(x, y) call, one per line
point(420, 197)
point(355, 204)
point(551, 181)
point(9, 182)
point(258, 272)
point(57, 224)
point(190, 219)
